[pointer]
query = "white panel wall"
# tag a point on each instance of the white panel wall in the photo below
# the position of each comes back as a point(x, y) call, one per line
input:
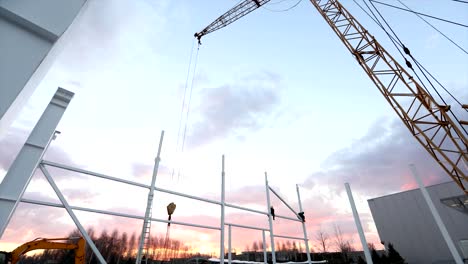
point(404, 219)
point(30, 34)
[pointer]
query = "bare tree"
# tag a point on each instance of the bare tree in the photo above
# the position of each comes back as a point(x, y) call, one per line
point(341, 243)
point(123, 246)
point(322, 238)
point(261, 245)
point(283, 246)
point(131, 245)
point(255, 246)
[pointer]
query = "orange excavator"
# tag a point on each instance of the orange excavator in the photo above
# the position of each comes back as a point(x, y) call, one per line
point(78, 245)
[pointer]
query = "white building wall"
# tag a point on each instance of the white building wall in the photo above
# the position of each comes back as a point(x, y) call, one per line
point(404, 220)
point(30, 32)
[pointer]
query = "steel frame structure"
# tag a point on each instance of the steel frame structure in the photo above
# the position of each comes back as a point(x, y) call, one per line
point(43, 164)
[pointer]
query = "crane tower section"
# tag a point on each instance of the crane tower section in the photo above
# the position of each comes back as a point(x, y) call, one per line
point(428, 121)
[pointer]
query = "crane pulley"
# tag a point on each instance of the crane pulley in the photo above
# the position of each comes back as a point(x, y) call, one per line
point(428, 121)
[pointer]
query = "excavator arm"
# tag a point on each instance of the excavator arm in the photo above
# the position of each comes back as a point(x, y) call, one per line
point(78, 247)
point(428, 121)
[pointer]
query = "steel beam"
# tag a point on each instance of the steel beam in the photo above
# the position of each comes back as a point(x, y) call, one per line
point(21, 171)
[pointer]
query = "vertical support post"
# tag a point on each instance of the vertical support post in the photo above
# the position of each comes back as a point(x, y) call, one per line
point(265, 256)
point(21, 171)
point(365, 248)
point(149, 204)
point(270, 221)
point(221, 244)
point(456, 256)
point(306, 240)
point(229, 245)
point(72, 215)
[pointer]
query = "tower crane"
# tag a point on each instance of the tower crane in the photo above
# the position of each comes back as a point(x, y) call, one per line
point(443, 137)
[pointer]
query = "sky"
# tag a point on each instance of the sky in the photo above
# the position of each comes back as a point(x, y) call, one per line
point(274, 92)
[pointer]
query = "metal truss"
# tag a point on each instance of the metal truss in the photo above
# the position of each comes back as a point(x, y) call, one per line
point(427, 120)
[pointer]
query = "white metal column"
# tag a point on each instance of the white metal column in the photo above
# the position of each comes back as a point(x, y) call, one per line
point(221, 245)
point(149, 204)
point(21, 171)
point(265, 255)
point(456, 256)
point(306, 240)
point(229, 244)
point(270, 221)
point(80, 227)
point(358, 225)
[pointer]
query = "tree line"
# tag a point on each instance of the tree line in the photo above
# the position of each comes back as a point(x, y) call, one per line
point(116, 247)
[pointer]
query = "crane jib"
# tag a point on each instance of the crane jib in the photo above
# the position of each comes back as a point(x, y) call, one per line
point(427, 120)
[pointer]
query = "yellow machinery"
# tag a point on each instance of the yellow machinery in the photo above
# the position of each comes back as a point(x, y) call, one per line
point(46, 243)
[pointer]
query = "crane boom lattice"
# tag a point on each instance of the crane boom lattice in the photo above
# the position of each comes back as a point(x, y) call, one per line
point(240, 10)
point(428, 121)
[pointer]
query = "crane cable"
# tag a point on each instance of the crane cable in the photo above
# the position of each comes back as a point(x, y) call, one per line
point(418, 13)
point(183, 103)
point(180, 148)
point(427, 22)
point(417, 62)
point(190, 97)
point(406, 50)
point(283, 10)
point(167, 240)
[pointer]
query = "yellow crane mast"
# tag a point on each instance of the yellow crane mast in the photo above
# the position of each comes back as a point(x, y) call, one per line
point(428, 121)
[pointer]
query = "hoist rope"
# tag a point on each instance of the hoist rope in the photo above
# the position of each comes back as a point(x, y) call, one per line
point(391, 37)
point(184, 112)
point(461, 1)
point(436, 29)
point(283, 10)
point(277, 2)
point(167, 241)
point(190, 98)
point(417, 65)
point(420, 14)
point(183, 103)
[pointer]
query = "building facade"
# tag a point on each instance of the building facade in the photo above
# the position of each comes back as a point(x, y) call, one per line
point(404, 219)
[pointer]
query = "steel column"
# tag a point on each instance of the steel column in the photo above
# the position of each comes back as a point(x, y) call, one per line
point(456, 256)
point(149, 204)
point(265, 255)
point(306, 240)
point(221, 246)
point(365, 248)
point(72, 215)
point(229, 244)
point(21, 171)
point(270, 221)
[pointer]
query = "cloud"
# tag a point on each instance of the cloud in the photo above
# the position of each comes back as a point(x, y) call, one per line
point(141, 170)
point(235, 108)
point(31, 221)
point(108, 28)
point(12, 143)
point(378, 162)
point(256, 195)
